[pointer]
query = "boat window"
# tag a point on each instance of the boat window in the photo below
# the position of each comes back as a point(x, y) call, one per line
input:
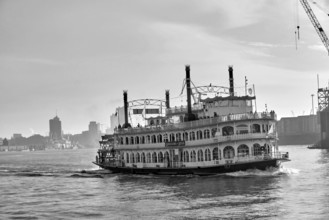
point(228, 152)
point(127, 156)
point(143, 158)
point(193, 156)
point(186, 156)
point(267, 149)
point(257, 150)
point(160, 156)
point(213, 132)
point(185, 136)
point(215, 153)
point(172, 137)
point(207, 155)
point(138, 159)
point(243, 150)
point(154, 140)
point(255, 128)
point(137, 140)
point(132, 158)
point(228, 130)
point(242, 129)
point(206, 134)
point(127, 140)
point(200, 155)
point(159, 138)
point(192, 136)
point(166, 156)
point(263, 128)
point(178, 137)
point(199, 135)
point(148, 158)
point(154, 158)
point(132, 140)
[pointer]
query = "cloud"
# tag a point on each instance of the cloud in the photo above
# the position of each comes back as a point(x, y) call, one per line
point(32, 131)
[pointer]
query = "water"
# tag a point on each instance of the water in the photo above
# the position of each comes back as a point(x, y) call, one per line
point(50, 185)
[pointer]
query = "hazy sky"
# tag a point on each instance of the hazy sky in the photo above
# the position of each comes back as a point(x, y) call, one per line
point(76, 56)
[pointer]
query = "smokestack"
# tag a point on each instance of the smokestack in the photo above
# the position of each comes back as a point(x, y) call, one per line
point(125, 101)
point(189, 116)
point(167, 99)
point(188, 90)
point(230, 70)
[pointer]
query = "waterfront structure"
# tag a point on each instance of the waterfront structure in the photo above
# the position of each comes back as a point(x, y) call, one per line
point(298, 130)
point(55, 128)
point(217, 135)
point(323, 103)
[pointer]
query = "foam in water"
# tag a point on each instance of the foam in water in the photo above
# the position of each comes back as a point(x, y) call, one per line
point(269, 172)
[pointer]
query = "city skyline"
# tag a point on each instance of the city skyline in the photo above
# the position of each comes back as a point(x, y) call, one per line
point(56, 132)
point(78, 57)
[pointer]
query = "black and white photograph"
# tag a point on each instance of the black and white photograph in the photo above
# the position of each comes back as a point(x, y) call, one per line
point(164, 109)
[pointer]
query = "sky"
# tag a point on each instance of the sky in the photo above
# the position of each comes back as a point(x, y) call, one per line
point(74, 58)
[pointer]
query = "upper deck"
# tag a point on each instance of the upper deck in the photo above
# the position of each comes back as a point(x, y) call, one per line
point(231, 118)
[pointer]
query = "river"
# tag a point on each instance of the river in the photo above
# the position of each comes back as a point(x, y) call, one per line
point(50, 185)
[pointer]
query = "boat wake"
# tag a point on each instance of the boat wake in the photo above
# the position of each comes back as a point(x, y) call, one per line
point(92, 173)
point(264, 173)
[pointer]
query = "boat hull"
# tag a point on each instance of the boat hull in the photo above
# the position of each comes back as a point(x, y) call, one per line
point(201, 171)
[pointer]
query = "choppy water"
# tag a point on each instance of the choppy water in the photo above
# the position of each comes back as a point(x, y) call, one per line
point(50, 185)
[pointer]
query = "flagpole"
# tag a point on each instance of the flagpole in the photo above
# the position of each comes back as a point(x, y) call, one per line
point(255, 97)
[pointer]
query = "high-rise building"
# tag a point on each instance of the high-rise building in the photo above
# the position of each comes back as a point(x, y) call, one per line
point(55, 129)
point(93, 128)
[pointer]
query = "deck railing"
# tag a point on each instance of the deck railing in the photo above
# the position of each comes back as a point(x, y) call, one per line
point(216, 139)
point(198, 123)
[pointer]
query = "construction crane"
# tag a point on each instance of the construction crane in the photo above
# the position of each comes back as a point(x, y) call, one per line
point(316, 24)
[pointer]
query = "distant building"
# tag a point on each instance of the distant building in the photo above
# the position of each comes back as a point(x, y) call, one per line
point(116, 119)
point(15, 136)
point(298, 130)
point(93, 128)
point(55, 129)
point(1, 141)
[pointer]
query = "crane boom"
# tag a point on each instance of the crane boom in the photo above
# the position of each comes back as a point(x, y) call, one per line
point(316, 24)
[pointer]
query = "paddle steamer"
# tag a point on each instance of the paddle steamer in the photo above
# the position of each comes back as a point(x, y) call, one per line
point(217, 134)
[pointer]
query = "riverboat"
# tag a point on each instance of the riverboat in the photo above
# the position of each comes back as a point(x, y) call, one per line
point(217, 134)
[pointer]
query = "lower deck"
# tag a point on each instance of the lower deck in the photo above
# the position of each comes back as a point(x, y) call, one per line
point(202, 171)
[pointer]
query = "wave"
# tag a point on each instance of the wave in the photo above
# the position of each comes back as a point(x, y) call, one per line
point(76, 175)
point(53, 172)
point(268, 172)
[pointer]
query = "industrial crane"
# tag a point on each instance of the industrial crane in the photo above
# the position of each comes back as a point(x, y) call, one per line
point(316, 24)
